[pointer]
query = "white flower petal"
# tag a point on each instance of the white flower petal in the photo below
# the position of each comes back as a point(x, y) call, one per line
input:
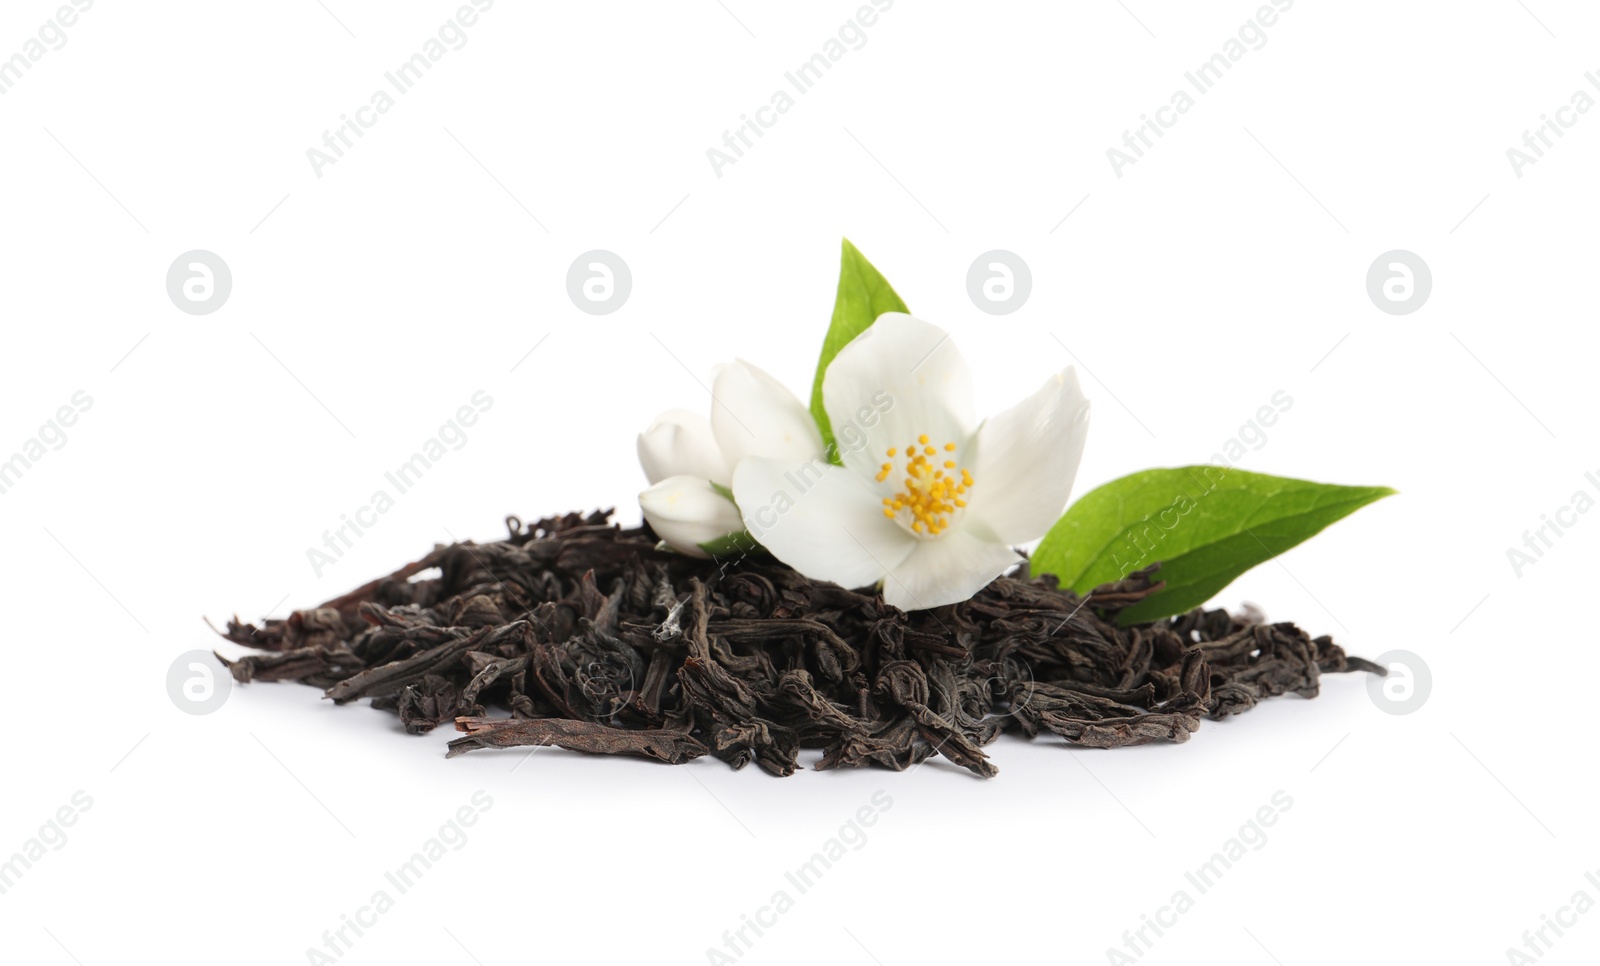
point(685, 512)
point(819, 519)
point(1026, 460)
point(899, 380)
point(946, 569)
point(753, 414)
point(680, 443)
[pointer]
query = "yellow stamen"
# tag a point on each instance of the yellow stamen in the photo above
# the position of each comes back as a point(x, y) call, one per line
point(929, 497)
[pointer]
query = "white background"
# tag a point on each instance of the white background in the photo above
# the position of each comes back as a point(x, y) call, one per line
point(369, 303)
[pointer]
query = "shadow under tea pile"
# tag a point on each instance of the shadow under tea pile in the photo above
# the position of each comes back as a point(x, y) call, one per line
point(583, 635)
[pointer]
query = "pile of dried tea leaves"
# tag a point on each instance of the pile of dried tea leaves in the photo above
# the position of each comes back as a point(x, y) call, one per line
point(584, 635)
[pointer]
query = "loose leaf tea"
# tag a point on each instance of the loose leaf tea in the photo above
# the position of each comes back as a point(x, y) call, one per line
point(582, 634)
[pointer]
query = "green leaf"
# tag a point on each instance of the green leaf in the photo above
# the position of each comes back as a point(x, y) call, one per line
point(1206, 524)
point(864, 294)
point(736, 544)
point(731, 545)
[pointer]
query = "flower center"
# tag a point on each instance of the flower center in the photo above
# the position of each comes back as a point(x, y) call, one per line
point(933, 487)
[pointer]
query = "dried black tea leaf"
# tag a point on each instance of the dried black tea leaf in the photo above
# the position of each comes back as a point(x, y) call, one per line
point(582, 634)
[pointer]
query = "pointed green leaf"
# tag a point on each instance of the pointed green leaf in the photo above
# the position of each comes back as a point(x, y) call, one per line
point(731, 545)
point(1205, 524)
point(864, 294)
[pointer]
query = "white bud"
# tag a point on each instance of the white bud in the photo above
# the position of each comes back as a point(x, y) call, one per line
point(686, 511)
point(680, 443)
